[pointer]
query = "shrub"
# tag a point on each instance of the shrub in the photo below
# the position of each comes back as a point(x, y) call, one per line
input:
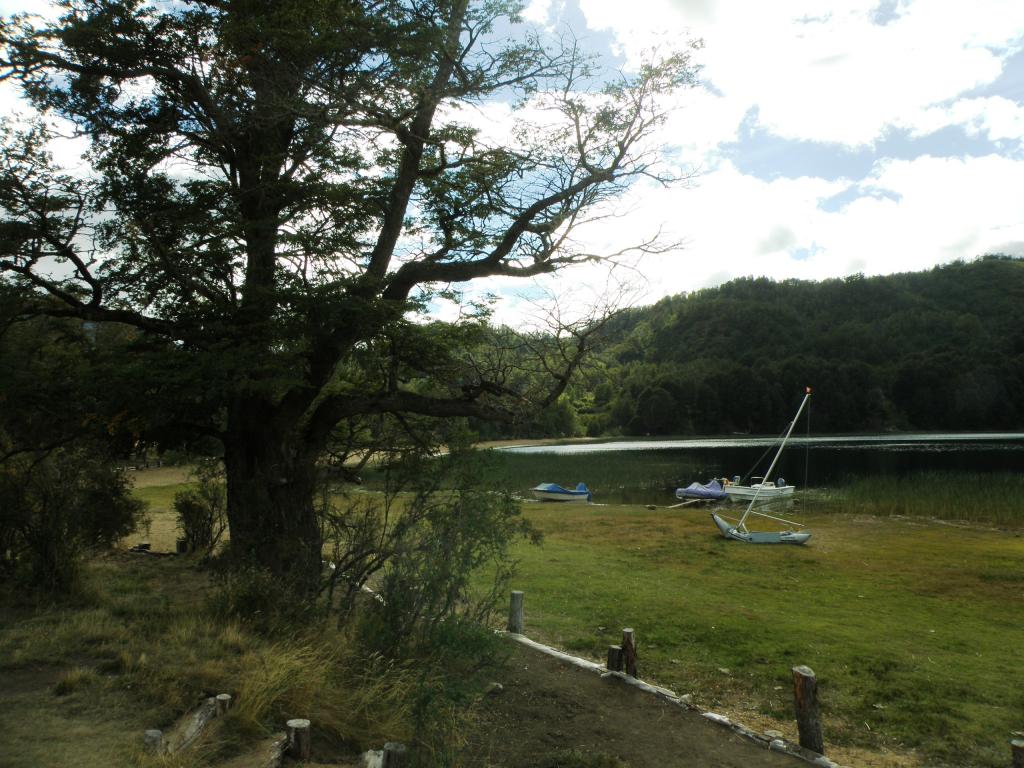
point(450, 528)
point(55, 506)
point(260, 600)
point(202, 510)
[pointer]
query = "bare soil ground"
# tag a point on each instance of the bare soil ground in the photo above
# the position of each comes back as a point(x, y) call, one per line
point(547, 708)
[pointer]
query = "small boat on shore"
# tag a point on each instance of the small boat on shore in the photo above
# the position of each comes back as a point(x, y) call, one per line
point(710, 491)
point(760, 537)
point(762, 491)
point(759, 487)
point(555, 492)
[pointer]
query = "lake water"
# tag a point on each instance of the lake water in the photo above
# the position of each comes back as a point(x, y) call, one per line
point(633, 470)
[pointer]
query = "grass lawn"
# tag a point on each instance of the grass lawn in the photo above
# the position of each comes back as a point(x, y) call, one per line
point(157, 487)
point(910, 625)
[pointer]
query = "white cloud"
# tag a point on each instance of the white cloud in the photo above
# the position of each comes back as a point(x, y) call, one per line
point(540, 11)
point(914, 214)
point(11, 103)
point(992, 117)
point(833, 76)
point(949, 208)
point(700, 121)
point(936, 210)
point(44, 8)
point(67, 146)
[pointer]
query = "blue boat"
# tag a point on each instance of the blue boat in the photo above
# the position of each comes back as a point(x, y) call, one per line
point(711, 491)
point(555, 492)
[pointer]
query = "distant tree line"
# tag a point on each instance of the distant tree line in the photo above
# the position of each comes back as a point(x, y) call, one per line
point(935, 350)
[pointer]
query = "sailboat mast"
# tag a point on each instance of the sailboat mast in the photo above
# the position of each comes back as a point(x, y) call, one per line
point(775, 461)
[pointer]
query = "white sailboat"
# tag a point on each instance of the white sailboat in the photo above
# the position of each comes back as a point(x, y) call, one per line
point(759, 487)
point(765, 490)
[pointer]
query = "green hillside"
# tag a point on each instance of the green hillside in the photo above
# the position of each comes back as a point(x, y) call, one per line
point(936, 350)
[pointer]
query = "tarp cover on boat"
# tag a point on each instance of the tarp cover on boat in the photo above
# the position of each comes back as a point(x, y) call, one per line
point(711, 490)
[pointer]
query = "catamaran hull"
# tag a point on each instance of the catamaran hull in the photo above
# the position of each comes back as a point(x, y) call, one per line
point(746, 493)
point(760, 537)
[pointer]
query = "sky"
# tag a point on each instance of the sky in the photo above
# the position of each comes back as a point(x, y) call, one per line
point(828, 137)
point(825, 138)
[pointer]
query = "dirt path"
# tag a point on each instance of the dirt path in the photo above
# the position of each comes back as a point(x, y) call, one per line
point(548, 707)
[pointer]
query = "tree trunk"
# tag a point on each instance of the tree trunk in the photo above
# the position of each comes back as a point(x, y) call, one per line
point(271, 480)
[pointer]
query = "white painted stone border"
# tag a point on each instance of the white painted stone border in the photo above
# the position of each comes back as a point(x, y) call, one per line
point(274, 756)
point(188, 728)
point(774, 745)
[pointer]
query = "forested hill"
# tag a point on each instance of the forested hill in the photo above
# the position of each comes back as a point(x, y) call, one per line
point(937, 350)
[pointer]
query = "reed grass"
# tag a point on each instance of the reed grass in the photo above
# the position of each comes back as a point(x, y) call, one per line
point(972, 497)
point(651, 477)
point(603, 472)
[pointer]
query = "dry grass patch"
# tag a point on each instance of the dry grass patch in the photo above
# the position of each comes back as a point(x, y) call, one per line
point(363, 700)
point(145, 649)
point(75, 679)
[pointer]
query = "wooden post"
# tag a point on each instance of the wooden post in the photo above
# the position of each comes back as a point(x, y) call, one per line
point(154, 740)
point(395, 754)
point(805, 700)
point(1017, 745)
point(223, 703)
point(298, 738)
point(515, 613)
point(614, 658)
point(629, 652)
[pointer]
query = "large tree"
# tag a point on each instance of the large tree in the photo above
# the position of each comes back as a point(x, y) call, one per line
point(274, 187)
